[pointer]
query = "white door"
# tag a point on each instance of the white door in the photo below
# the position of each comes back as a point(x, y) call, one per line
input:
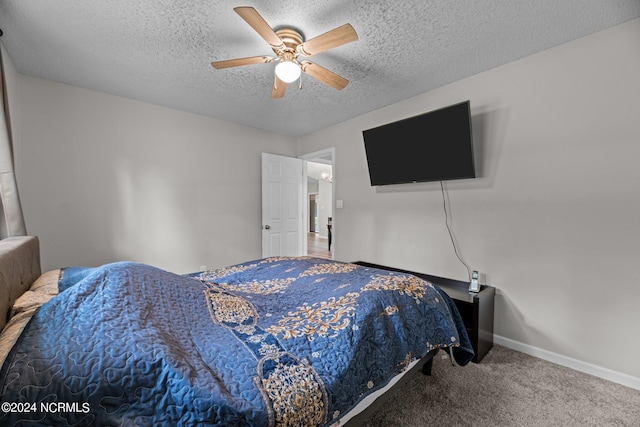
point(282, 206)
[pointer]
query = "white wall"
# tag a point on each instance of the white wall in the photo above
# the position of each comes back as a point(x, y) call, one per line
point(103, 179)
point(553, 221)
point(325, 199)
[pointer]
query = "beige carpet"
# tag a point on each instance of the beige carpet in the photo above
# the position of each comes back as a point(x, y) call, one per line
point(508, 388)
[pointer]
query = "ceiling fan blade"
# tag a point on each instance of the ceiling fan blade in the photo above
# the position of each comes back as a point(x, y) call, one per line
point(279, 88)
point(325, 76)
point(257, 22)
point(334, 38)
point(219, 65)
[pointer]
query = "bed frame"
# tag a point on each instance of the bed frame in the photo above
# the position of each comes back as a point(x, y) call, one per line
point(20, 267)
point(424, 366)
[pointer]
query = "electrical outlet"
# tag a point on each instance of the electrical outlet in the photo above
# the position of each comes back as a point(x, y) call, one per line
point(203, 268)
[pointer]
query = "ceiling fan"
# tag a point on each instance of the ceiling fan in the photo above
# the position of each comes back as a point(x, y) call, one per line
point(288, 45)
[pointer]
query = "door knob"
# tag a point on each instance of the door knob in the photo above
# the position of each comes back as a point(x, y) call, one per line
point(267, 227)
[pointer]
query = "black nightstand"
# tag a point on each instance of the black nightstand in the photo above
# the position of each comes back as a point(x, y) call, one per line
point(476, 309)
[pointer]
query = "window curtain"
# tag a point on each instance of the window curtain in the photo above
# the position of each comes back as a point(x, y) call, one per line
point(11, 218)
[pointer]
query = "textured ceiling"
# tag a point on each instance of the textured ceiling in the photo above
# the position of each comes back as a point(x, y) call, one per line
point(159, 51)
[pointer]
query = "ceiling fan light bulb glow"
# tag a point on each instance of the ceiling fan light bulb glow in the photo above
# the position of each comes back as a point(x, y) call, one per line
point(288, 71)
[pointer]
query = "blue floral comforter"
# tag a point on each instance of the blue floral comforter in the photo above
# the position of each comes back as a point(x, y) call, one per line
point(276, 341)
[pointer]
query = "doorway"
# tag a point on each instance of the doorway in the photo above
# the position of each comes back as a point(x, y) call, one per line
point(319, 197)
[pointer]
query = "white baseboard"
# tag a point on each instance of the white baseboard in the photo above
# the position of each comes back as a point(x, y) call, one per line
point(578, 365)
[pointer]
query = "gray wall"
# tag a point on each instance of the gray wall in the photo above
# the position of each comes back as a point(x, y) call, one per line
point(103, 179)
point(553, 221)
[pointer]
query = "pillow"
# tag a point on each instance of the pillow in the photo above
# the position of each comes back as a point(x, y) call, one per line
point(42, 290)
point(47, 283)
point(29, 301)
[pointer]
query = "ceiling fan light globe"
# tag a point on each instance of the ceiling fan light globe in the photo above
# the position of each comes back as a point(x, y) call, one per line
point(288, 71)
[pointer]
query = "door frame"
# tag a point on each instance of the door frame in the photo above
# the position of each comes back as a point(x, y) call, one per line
point(327, 156)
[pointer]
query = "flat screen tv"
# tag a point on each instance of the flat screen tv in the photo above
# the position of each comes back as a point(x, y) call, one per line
point(434, 146)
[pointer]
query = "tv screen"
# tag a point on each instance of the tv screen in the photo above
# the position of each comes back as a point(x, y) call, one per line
point(434, 146)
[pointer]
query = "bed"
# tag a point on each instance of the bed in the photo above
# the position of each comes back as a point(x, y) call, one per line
point(280, 341)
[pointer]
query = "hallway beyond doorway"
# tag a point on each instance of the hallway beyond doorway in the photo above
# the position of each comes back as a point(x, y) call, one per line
point(317, 246)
